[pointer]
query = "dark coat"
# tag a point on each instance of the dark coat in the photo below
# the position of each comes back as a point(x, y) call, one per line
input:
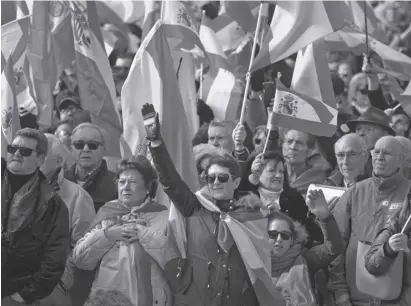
point(211, 276)
point(34, 258)
point(101, 186)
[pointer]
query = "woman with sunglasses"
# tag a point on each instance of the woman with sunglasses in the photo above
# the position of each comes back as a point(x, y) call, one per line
point(293, 265)
point(127, 241)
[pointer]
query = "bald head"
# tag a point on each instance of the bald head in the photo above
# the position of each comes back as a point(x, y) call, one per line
point(352, 140)
point(387, 156)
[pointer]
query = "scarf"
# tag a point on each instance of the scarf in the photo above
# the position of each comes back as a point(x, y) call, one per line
point(292, 278)
point(23, 204)
point(269, 197)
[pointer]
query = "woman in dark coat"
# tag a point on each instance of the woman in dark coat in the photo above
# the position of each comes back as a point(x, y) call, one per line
point(269, 178)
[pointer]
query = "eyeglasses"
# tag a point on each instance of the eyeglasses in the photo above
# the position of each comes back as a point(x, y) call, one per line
point(349, 155)
point(26, 152)
point(123, 182)
point(80, 144)
point(363, 91)
point(284, 235)
point(222, 178)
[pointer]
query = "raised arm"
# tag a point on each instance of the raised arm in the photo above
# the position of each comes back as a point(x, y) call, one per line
point(176, 189)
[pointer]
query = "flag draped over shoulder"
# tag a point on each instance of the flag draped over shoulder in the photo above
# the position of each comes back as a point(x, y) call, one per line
point(310, 105)
point(350, 38)
point(296, 24)
point(152, 79)
point(15, 38)
point(95, 80)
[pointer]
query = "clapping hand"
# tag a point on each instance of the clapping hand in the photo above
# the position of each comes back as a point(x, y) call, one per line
point(151, 122)
point(317, 204)
point(399, 242)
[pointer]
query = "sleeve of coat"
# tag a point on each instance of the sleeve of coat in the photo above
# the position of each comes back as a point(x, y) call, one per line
point(92, 247)
point(55, 252)
point(83, 214)
point(320, 256)
point(337, 280)
point(176, 189)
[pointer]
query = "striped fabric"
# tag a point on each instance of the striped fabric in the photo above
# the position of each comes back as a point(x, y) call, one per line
point(296, 24)
point(245, 13)
point(151, 15)
point(95, 80)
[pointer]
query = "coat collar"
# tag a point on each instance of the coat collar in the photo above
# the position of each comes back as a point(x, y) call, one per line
point(386, 184)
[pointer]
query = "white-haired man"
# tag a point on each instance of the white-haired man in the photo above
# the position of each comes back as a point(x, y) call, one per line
point(81, 213)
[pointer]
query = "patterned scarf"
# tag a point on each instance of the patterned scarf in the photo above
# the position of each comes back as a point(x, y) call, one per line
point(23, 204)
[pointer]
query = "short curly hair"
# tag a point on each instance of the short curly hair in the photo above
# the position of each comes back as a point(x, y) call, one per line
point(141, 164)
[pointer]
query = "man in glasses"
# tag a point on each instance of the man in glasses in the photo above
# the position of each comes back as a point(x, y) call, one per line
point(371, 126)
point(90, 172)
point(214, 272)
point(366, 206)
point(34, 219)
point(81, 213)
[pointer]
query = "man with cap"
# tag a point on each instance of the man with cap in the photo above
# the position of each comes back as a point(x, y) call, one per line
point(69, 108)
point(371, 126)
point(364, 208)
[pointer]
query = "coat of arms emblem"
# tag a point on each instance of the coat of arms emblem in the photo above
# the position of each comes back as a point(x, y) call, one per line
point(288, 105)
point(183, 17)
point(81, 28)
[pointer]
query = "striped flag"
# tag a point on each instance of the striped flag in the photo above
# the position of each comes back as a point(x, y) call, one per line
point(245, 13)
point(400, 95)
point(14, 41)
point(181, 29)
point(117, 12)
point(296, 24)
point(94, 75)
point(349, 38)
point(152, 79)
point(10, 121)
point(225, 95)
point(310, 105)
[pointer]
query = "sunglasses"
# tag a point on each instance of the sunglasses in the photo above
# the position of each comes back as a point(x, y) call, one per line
point(80, 144)
point(222, 178)
point(26, 152)
point(284, 235)
point(363, 91)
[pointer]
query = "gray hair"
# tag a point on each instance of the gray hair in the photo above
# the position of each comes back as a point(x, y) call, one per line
point(227, 124)
point(352, 137)
point(57, 148)
point(406, 144)
point(91, 126)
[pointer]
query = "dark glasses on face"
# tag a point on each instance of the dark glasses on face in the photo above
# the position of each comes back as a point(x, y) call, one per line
point(222, 178)
point(23, 150)
point(363, 91)
point(80, 144)
point(284, 235)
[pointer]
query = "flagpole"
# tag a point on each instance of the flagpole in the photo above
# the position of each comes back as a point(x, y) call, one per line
point(162, 10)
point(201, 65)
point(366, 27)
point(248, 75)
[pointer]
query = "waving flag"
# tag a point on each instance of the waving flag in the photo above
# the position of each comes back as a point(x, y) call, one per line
point(310, 105)
point(245, 13)
point(349, 38)
point(117, 12)
point(181, 30)
point(14, 42)
point(152, 79)
point(95, 79)
point(10, 121)
point(151, 15)
point(296, 24)
point(407, 91)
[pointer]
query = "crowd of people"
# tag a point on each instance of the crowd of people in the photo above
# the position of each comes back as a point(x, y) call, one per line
point(82, 228)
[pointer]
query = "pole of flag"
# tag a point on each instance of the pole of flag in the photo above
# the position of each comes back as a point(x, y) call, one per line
point(248, 76)
point(201, 81)
point(366, 28)
point(270, 121)
point(163, 3)
point(396, 107)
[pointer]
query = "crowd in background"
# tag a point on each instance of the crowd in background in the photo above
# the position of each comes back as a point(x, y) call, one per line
point(81, 228)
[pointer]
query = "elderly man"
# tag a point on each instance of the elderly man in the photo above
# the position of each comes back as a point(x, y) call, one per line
point(371, 126)
point(351, 153)
point(90, 170)
point(35, 224)
point(296, 149)
point(406, 166)
point(81, 213)
point(366, 206)
point(91, 173)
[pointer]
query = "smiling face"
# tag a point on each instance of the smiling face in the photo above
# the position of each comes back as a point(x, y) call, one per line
point(280, 237)
point(272, 177)
point(221, 190)
point(24, 165)
point(131, 188)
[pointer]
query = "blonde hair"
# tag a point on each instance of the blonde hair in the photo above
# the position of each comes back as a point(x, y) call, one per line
point(355, 83)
